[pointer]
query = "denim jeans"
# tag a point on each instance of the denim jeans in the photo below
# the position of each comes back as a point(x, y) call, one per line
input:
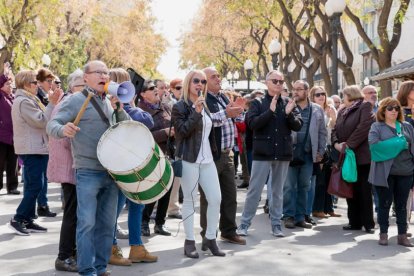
point(35, 166)
point(42, 197)
point(260, 171)
point(295, 190)
point(134, 219)
point(97, 196)
point(398, 189)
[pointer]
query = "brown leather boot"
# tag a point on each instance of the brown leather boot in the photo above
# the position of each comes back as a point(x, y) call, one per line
point(383, 239)
point(403, 240)
point(138, 254)
point(117, 258)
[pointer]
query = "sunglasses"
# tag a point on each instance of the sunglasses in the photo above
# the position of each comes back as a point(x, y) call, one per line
point(197, 81)
point(178, 88)
point(275, 81)
point(393, 107)
point(317, 95)
point(151, 88)
point(34, 82)
point(57, 82)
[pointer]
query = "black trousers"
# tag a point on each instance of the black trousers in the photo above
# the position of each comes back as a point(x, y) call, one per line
point(161, 209)
point(360, 209)
point(67, 242)
point(398, 189)
point(228, 206)
point(8, 162)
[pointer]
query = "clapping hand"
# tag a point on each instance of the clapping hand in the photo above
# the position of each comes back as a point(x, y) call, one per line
point(290, 106)
point(55, 95)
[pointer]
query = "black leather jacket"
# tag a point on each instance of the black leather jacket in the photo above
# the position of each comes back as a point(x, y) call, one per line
point(188, 126)
point(272, 130)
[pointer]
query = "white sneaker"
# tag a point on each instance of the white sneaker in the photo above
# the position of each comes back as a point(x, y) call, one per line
point(277, 231)
point(242, 230)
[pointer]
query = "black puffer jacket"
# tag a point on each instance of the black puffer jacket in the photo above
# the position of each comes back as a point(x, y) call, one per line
point(188, 126)
point(272, 130)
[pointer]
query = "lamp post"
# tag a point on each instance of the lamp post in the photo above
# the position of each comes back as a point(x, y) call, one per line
point(366, 81)
point(334, 10)
point(46, 60)
point(274, 49)
point(233, 77)
point(248, 66)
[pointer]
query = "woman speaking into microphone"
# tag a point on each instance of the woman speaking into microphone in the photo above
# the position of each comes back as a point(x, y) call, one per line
point(195, 146)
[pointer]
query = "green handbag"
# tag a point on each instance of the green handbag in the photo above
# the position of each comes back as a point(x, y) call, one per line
point(349, 167)
point(390, 148)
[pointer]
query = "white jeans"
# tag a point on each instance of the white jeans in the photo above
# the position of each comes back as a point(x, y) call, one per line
point(206, 175)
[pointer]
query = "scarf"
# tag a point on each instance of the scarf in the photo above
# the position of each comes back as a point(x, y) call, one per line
point(355, 104)
point(37, 100)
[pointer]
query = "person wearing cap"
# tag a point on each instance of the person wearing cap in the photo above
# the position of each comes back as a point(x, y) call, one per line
point(8, 159)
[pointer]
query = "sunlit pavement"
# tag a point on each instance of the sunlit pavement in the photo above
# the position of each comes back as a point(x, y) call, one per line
point(324, 249)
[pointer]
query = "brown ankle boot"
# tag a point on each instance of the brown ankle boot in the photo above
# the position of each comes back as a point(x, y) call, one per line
point(190, 250)
point(138, 254)
point(383, 239)
point(402, 240)
point(212, 245)
point(117, 258)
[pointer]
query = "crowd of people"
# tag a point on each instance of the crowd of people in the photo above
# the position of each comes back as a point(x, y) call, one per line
point(287, 141)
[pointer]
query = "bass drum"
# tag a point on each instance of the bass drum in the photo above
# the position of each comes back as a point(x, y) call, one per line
point(136, 163)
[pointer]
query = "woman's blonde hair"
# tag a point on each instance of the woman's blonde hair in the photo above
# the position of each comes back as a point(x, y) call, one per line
point(24, 77)
point(353, 92)
point(187, 81)
point(312, 95)
point(389, 102)
point(119, 75)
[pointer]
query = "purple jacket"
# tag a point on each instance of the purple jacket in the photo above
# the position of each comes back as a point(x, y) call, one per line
point(6, 125)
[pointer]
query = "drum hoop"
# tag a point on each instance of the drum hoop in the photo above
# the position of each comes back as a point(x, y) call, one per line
point(139, 174)
point(154, 190)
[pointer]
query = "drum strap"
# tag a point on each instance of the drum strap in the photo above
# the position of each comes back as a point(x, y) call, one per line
point(97, 108)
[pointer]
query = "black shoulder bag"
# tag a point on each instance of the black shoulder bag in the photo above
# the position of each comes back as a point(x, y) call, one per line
point(299, 148)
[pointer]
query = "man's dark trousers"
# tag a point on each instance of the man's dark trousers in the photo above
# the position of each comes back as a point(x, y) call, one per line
point(228, 207)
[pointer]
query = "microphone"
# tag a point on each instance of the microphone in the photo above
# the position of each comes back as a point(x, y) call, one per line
point(199, 92)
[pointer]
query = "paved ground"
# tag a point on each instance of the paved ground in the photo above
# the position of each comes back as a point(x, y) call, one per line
point(326, 249)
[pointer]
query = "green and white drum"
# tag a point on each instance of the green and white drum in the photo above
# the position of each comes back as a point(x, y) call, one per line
point(139, 167)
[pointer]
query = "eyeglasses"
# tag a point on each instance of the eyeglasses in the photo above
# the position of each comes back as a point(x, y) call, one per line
point(298, 89)
point(178, 88)
point(197, 81)
point(58, 82)
point(100, 73)
point(393, 107)
point(34, 82)
point(152, 88)
point(49, 81)
point(371, 93)
point(275, 81)
point(317, 95)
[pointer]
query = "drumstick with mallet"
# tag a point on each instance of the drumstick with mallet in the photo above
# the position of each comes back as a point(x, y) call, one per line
point(82, 110)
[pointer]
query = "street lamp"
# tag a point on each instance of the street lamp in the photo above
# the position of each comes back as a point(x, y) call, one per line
point(274, 49)
point(233, 77)
point(334, 10)
point(366, 81)
point(46, 60)
point(248, 66)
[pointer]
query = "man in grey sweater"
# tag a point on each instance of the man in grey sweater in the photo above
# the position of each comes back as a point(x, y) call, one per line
point(96, 191)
